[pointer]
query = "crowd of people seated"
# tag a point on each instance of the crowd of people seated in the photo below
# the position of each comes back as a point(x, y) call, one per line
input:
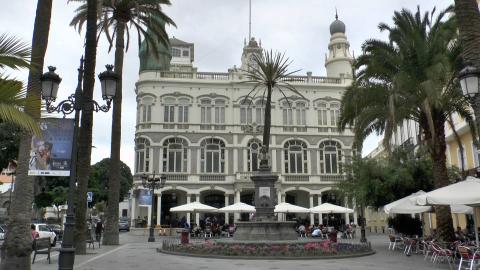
point(321, 231)
point(212, 227)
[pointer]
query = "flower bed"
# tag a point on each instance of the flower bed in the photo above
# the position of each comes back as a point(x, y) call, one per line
point(286, 250)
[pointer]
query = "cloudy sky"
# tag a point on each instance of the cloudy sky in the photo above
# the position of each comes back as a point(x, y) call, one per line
point(300, 28)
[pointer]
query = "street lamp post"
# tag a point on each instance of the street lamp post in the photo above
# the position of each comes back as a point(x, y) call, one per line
point(469, 78)
point(75, 102)
point(152, 182)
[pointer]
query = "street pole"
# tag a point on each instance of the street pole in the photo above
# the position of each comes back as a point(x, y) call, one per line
point(151, 237)
point(66, 258)
point(74, 103)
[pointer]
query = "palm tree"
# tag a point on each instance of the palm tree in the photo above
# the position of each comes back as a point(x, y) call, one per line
point(468, 20)
point(415, 75)
point(118, 15)
point(17, 246)
point(14, 54)
point(269, 72)
point(85, 136)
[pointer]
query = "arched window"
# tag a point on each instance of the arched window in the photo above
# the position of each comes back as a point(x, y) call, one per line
point(169, 114)
point(334, 114)
point(183, 104)
point(260, 112)
point(142, 160)
point(206, 111)
point(295, 153)
point(246, 109)
point(175, 155)
point(212, 156)
point(330, 157)
point(301, 114)
point(253, 162)
point(322, 114)
point(145, 110)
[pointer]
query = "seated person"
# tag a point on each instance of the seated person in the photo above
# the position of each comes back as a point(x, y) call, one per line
point(196, 230)
point(316, 232)
point(459, 234)
point(301, 230)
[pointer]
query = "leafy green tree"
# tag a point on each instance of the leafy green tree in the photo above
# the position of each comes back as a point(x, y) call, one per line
point(99, 184)
point(9, 142)
point(412, 76)
point(115, 19)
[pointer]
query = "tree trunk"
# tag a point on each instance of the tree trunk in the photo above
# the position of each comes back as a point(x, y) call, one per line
point(18, 242)
point(266, 128)
point(111, 226)
point(85, 137)
point(440, 179)
point(468, 20)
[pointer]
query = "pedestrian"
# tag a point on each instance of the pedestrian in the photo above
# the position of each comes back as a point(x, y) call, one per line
point(34, 232)
point(98, 230)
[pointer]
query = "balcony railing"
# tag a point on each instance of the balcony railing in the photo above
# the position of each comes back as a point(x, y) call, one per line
point(332, 177)
point(183, 177)
point(296, 178)
point(212, 178)
point(223, 76)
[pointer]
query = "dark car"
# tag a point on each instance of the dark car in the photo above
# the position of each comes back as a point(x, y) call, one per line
point(123, 225)
point(57, 229)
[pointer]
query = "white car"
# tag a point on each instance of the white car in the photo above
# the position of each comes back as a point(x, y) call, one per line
point(44, 231)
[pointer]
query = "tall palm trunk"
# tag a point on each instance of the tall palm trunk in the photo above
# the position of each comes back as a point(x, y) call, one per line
point(468, 20)
point(111, 228)
point(266, 128)
point(85, 136)
point(18, 243)
point(440, 179)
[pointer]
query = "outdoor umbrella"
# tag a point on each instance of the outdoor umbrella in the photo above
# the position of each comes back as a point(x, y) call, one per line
point(328, 208)
point(465, 192)
point(290, 208)
point(238, 208)
point(406, 205)
point(193, 207)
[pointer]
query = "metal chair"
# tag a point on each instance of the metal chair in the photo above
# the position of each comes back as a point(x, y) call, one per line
point(469, 256)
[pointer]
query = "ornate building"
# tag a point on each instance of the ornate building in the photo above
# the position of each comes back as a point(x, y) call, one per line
point(200, 130)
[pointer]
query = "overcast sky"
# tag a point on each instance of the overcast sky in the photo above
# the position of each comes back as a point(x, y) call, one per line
point(300, 28)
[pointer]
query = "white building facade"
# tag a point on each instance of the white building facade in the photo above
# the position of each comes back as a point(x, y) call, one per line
point(202, 131)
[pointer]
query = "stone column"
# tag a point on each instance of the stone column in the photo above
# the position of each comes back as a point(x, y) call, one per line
point(159, 208)
point(279, 200)
point(274, 160)
point(355, 213)
point(320, 217)
point(149, 214)
point(312, 216)
point(226, 204)
point(132, 211)
point(197, 215)
point(189, 198)
point(236, 216)
point(347, 216)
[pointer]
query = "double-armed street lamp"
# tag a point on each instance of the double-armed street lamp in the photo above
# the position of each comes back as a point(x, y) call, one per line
point(76, 102)
point(153, 182)
point(469, 78)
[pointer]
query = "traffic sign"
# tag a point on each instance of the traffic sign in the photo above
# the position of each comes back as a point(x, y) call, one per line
point(89, 196)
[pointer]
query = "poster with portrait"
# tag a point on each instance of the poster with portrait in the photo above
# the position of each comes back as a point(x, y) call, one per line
point(50, 155)
point(144, 197)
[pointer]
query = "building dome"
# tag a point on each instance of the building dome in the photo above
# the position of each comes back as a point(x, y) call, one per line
point(337, 26)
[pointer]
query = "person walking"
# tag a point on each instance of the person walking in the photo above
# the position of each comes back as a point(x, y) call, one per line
point(98, 230)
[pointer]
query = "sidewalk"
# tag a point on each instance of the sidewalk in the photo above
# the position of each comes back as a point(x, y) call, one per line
point(136, 253)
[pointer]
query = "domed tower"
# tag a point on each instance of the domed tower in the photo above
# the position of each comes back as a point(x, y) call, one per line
point(339, 60)
point(248, 51)
point(150, 60)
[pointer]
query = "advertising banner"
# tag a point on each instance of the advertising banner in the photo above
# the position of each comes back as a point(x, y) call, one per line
point(50, 155)
point(144, 197)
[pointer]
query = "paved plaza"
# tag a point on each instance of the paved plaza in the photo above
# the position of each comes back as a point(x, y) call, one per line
point(135, 253)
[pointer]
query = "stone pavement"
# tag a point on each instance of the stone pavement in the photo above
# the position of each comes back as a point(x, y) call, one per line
point(135, 253)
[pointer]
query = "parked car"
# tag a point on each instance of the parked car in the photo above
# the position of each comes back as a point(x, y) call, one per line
point(57, 229)
point(44, 231)
point(123, 225)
